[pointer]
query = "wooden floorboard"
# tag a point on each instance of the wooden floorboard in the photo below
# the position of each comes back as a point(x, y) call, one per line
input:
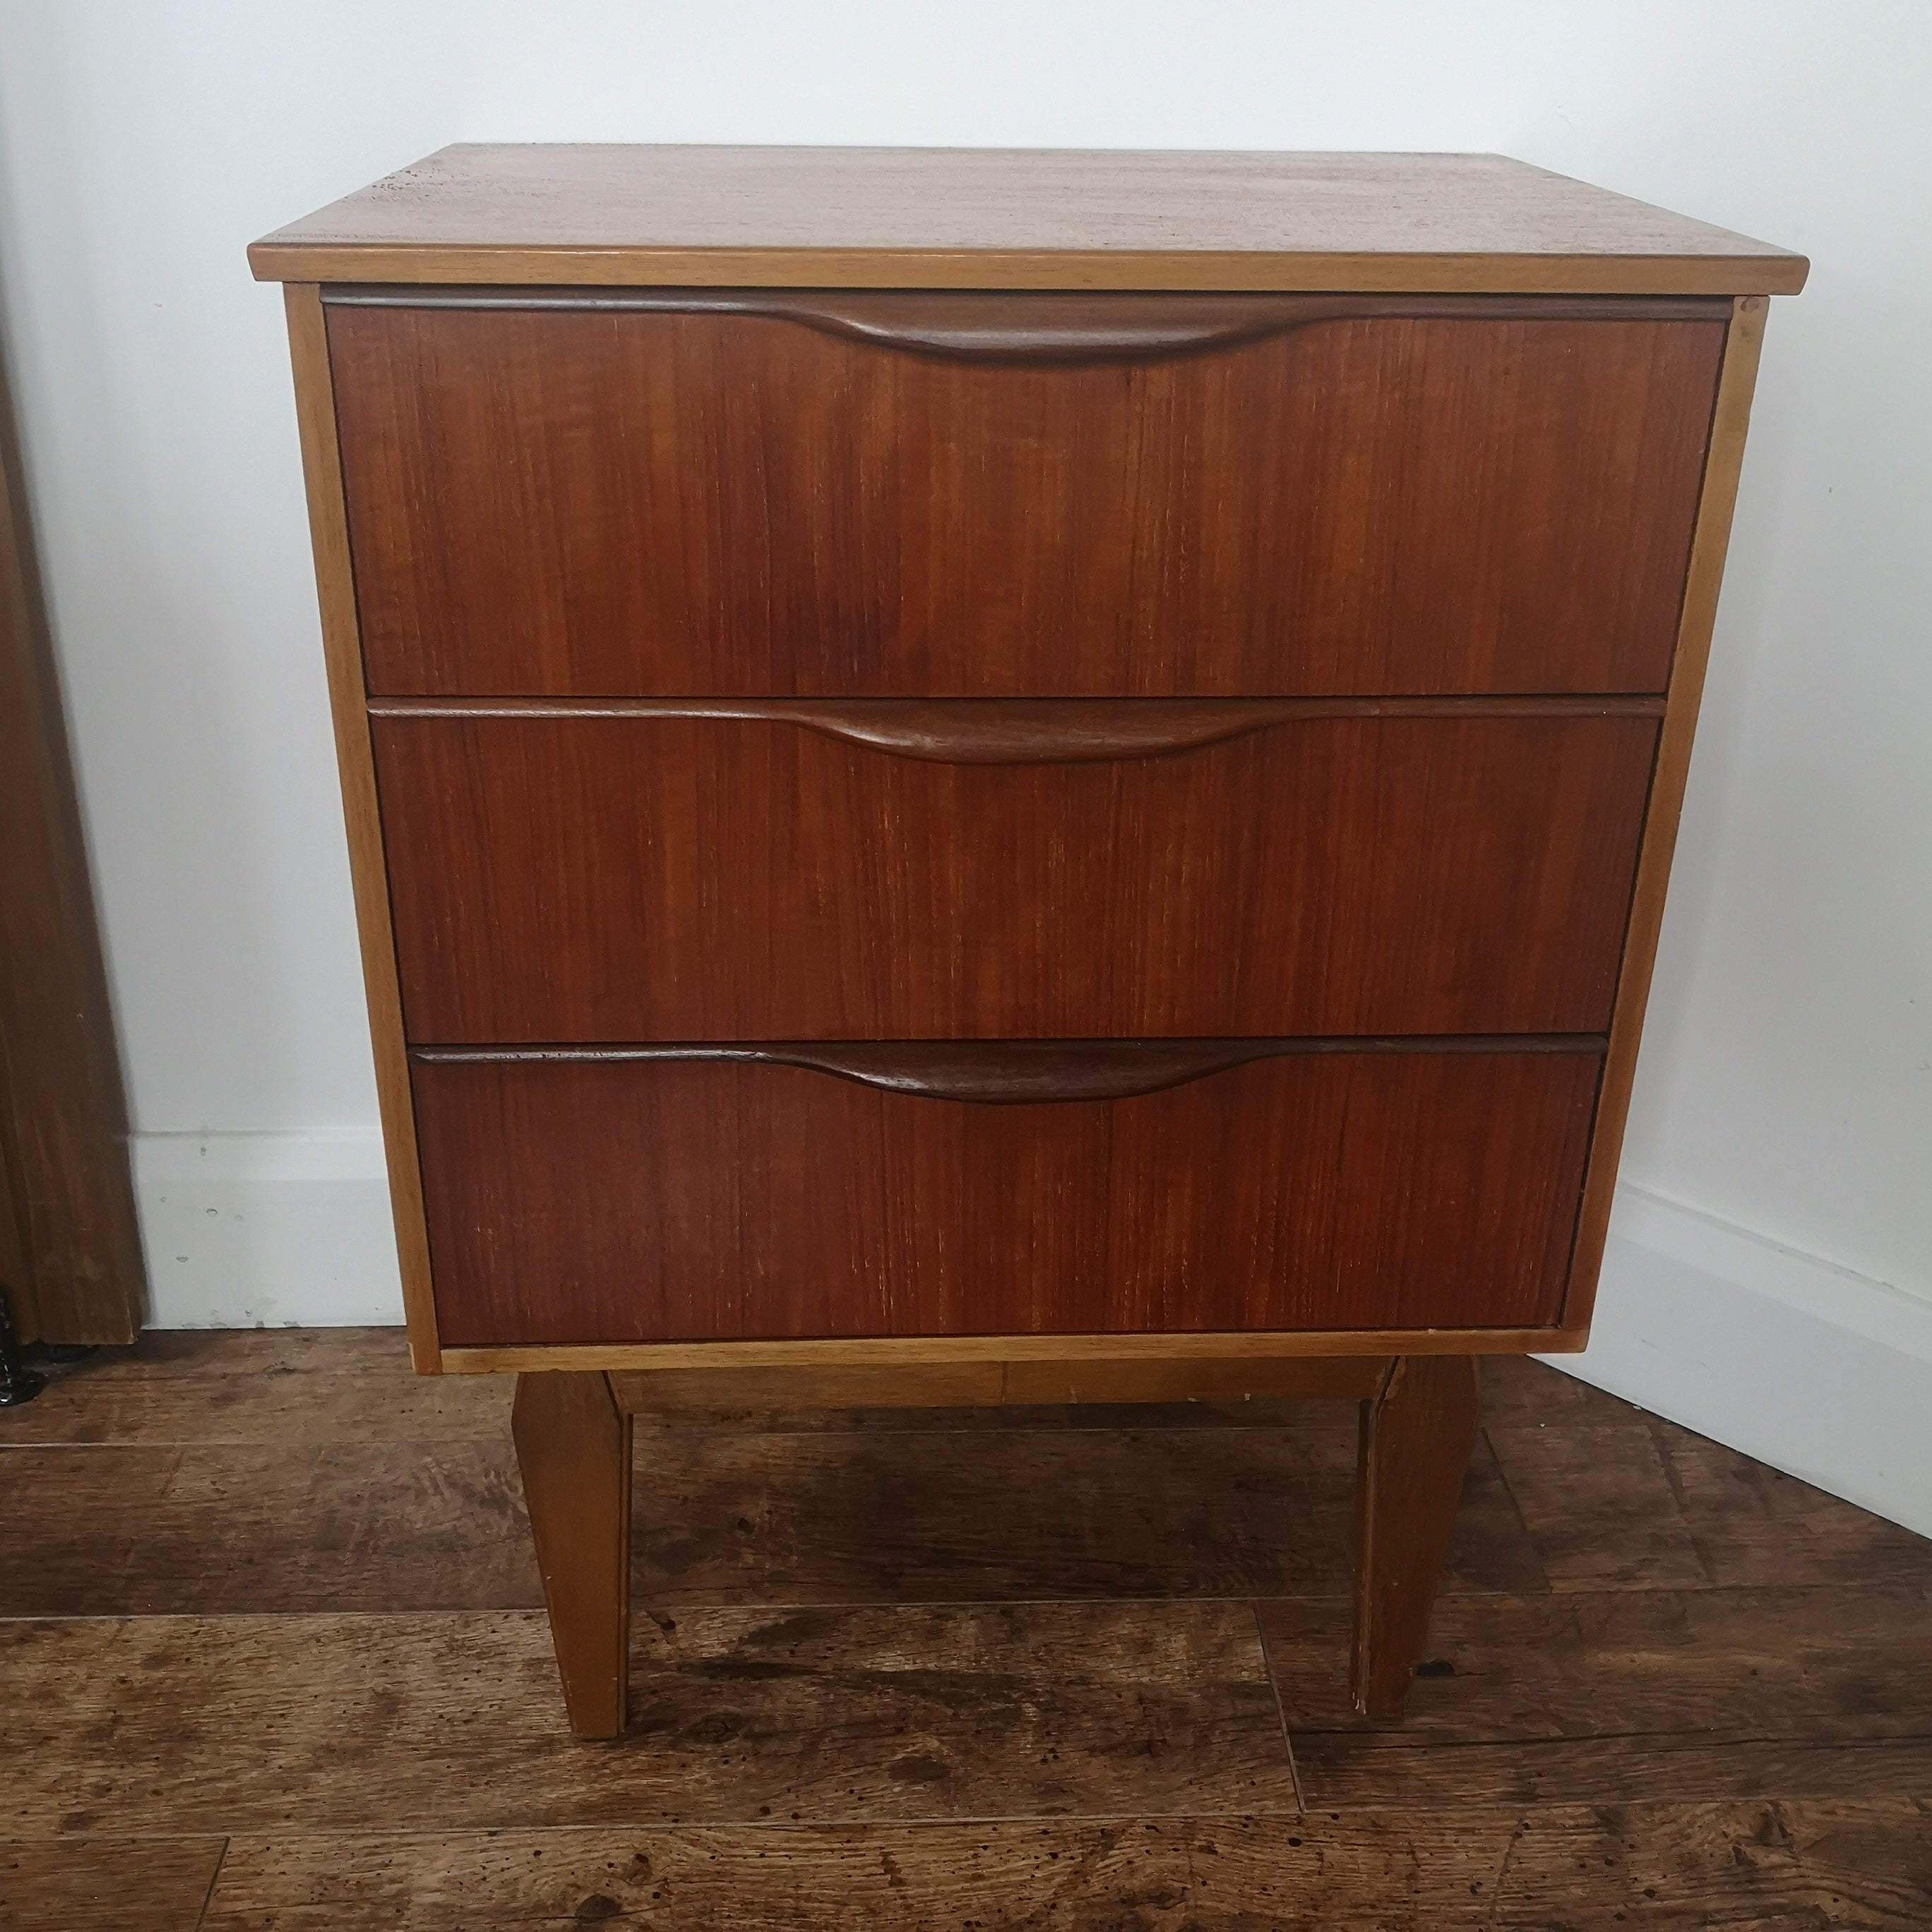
point(106, 1885)
point(193, 1724)
point(222, 1528)
point(829, 1517)
point(848, 1517)
point(1519, 1388)
point(269, 1644)
point(1225, 1875)
point(1753, 1525)
point(1600, 1504)
point(1749, 1865)
point(267, 1386)
point(1576, 1697)
point(1791, 1866)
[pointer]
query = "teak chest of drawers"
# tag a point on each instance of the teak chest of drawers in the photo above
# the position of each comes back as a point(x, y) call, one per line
point(999, 777)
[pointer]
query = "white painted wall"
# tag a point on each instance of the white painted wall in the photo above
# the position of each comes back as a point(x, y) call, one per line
point(1785, 1098)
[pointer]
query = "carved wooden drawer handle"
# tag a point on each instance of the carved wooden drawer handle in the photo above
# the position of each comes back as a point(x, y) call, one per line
point(1013, 1072)
point(1021, 731)
point(1040, 328)
point(1058, 328)
point(968, 327)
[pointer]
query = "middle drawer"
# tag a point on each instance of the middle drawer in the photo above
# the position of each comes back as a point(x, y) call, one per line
point(988, 869)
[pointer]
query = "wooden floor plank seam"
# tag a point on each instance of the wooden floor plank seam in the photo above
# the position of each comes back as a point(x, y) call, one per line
point(214, 1880)
point(1281, 1709)
point(1499, 1890)
point(1509, 1488)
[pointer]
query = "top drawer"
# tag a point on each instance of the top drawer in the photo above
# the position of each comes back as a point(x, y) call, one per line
point(717, 493)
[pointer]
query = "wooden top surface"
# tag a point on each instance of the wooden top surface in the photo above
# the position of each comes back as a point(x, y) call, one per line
point(958, 217)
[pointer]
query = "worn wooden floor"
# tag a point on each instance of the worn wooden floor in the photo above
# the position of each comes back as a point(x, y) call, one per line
point(270, 1657)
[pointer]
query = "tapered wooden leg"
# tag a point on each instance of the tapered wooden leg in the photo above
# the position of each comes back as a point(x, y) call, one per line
point(574, 1447)
point(1416, 1435)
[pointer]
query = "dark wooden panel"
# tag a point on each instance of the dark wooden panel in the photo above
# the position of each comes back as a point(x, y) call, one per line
point(603, 502)
point(619, 1201)
point(634, 878)
point(70, 1250)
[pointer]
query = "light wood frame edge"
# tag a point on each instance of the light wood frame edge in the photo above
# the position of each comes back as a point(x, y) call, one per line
point(342, 651)
point(935, 1351)
point(1392, 273)
point(1723, 460)
point(1002, 1384)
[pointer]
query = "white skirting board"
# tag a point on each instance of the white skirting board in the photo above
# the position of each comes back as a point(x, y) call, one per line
point(1820, 1371)
point(252, 1231)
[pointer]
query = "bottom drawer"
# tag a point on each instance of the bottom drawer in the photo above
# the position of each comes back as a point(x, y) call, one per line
point(701, 1194)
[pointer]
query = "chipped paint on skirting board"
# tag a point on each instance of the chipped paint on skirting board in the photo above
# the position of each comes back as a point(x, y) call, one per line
point(245, 1231)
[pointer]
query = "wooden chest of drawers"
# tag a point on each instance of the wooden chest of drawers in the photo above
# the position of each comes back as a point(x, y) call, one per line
point(997, 777)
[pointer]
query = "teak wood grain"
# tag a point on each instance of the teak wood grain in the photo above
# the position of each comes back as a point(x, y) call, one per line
point(672, 877)
point(574, 1448)
point(668, 1199)
point(1417, 1433)
point(594, 500)
point(913, 218)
